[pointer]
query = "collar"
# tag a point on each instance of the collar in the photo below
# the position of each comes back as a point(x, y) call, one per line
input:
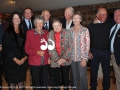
point(58, 32)
point(36, 32)
point(27, 20)
point(100, 21)
point(69, 22)
point(47, 22)
point(118, 25)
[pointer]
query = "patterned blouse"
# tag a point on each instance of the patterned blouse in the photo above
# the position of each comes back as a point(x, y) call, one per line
point(80, 44)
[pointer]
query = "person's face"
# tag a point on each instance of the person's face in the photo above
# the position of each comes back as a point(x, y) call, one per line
point(68, 14)
point(76, 19)
point(39, 24)
point(16, 20)
point(102, 15)
point(117, 17)
point(57, 27)
point(46, 15)
point(28, 14)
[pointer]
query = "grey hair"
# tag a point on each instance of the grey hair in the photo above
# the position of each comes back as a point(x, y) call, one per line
point(71, 9)
point(78, 13)
point(38, 17)
point(116, 10)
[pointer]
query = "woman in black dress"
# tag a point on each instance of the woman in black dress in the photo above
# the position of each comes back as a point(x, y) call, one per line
point(13, 53)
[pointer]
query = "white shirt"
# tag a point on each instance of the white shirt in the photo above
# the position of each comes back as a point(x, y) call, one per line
point(27, 22)
point(113, 38)
point(68, 25)
point(99, 21)
point(47, 24)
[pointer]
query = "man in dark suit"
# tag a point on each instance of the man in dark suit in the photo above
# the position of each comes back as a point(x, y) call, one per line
point(48, 25)
point(115, 46)
point(27, 21)
point(67, 23)
point(67, 20)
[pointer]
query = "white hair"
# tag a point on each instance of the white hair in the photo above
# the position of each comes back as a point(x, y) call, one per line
point(71, 9)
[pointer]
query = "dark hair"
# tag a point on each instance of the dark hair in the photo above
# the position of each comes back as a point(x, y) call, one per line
point(27, 8)
point(56, 20)
point(11, 26)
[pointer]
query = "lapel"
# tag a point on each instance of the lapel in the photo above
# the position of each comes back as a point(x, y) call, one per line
point(32, 24)
point(70, 25)
point(25, 25)
point(117, 36)
point(50, 27)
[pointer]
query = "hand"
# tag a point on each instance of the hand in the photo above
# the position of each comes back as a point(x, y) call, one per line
point(90, 56)
point(63, 60)
point(59, 62)
point(23, 59)
point(83, 63)
point(41, 53)
point(96, 21)
point(17, 61)
point(49, 61)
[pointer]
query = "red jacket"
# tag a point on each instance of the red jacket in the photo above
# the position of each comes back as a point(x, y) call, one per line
point(32, 45)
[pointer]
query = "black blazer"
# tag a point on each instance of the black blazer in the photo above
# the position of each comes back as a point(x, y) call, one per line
point(63, 21)
point(116, 47)
point(25, 28)
point(11, 50)
point(50, 27)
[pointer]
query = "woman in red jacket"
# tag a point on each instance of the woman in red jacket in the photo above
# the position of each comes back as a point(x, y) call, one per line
point(36, 48)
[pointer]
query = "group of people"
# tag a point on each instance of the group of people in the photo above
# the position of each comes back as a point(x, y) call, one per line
point(53, 50)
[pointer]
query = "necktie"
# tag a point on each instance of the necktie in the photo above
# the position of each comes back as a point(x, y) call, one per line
point(46, 27)
point(29, 25)
point(111, 36)
point(113, 32)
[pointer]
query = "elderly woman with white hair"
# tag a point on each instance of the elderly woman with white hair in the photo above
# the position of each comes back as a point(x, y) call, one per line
point(35, 47)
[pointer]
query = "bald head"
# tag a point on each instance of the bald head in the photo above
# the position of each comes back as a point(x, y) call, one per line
point(102, 14)
point(46, 15)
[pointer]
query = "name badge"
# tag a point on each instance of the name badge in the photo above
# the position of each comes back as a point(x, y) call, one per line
point(118, 35)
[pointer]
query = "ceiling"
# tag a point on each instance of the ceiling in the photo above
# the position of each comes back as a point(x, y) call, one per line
point(7, 6)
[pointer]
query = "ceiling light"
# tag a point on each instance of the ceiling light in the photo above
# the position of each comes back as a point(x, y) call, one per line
point(13, 1)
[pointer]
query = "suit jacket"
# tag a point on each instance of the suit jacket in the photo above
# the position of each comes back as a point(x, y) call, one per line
point(63, 21)
point(12, 50)
point(50, 27)
point(83, 45)
point(25, 28)
point(116, 47)
point(66, 40)
point(32, 45)
point(5, 25)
